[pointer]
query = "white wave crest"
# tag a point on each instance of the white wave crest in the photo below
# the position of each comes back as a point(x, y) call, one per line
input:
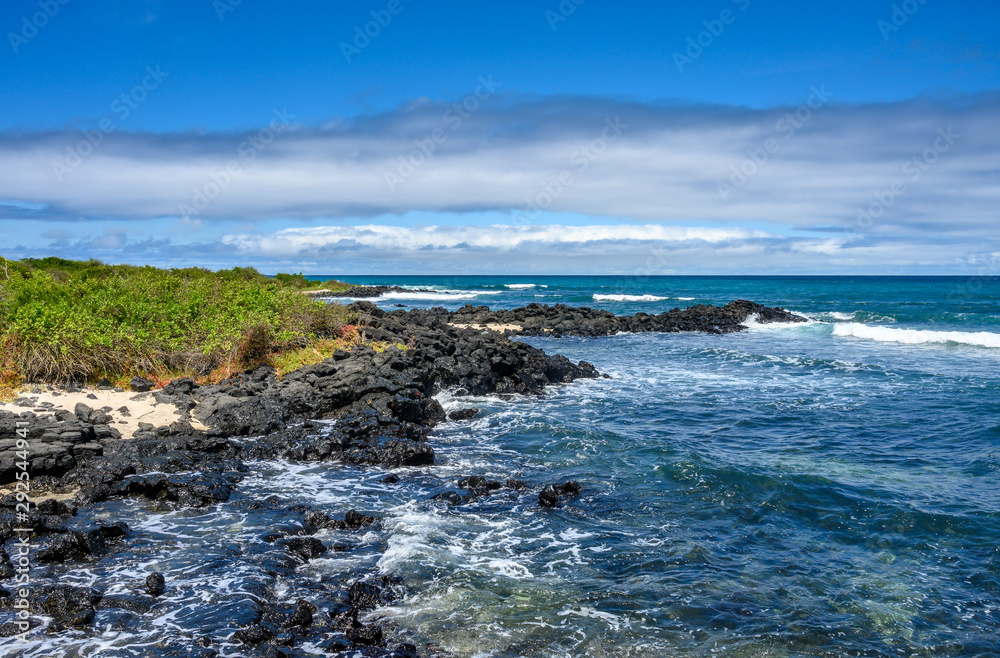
point(754, 324)
point(443, 295)
point(916, 336)
point(628, 298)
point(519, 286)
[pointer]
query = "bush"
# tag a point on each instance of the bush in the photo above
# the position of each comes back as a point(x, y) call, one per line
point(77, 320)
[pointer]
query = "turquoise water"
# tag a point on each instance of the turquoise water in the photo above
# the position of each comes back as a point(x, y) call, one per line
point(820, 489)
point(826, 489)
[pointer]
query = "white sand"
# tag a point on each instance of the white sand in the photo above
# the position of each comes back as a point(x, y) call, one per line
point(142, 407)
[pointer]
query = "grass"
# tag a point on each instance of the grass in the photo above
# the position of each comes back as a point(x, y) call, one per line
point(64, 320)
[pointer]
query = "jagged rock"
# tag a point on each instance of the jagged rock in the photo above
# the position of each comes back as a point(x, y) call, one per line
point(551, 495)
point(140, 385)
point(366, 636)
point(364, 596)
point(355, 519)
point(305, 548)
point(463, 414)
point(303, 615)
point(155, 584)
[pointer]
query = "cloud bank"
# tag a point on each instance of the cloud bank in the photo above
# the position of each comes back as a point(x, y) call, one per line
point(888, 177)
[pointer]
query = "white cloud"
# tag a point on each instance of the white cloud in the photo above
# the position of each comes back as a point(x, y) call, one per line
point(301, 241)
point(893, 187)
point(667, 164)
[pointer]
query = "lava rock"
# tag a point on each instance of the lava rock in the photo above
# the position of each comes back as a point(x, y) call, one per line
point(450, 497)
point(463, 414)
point(355, 519)
point(305, 548)
point(252, 634)
point(303, 615)
point(364, 596)
point(366, 636)
point(140, 385)
point(548, 497)
point(156, 584)
point(552, 494)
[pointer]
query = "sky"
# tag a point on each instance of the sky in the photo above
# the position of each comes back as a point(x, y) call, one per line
point(572, 137)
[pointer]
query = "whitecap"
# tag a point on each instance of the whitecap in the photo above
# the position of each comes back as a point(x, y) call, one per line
point(628, 298)
point(916, 336)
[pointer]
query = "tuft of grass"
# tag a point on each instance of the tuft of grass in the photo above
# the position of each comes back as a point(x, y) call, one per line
point(66, 320)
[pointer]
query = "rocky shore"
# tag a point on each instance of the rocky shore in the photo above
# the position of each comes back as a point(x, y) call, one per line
point(365, 292)
point(384, 412)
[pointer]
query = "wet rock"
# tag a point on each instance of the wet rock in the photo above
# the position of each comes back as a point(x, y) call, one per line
point(571, 488)
point(322, 521)
point(188, 489)
point(364, 596)
point(517, 485)
point(114, 531)
point(450, 497)
point(140, 385)
point(56, 507)
point(303, 615)
point(366, 636)
point(305, 548)
point(252, 634)
point(552, 494)
point(10, 628)
point(548, 497)
point(74, 545)
point(72, 606)
point(155, 584)
point(479, 485)
point(392, 478)
point(355, 519)
point(138, 604)
point(463, 414)
point(6, 569)
point(404, 452)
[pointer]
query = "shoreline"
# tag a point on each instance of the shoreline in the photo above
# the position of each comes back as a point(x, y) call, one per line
point(385, 413)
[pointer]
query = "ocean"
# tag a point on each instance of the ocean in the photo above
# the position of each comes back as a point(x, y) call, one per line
point(821, 489)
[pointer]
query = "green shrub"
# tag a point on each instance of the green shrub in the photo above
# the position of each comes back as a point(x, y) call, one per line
point(85, 320)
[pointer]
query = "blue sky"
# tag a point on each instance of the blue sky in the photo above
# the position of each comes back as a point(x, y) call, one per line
point(702, 137)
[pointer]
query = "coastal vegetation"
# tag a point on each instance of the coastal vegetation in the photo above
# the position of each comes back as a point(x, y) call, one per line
point(84, 321)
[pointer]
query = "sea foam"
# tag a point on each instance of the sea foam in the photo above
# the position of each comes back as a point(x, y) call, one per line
point(916, 336)
point(628, 298)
